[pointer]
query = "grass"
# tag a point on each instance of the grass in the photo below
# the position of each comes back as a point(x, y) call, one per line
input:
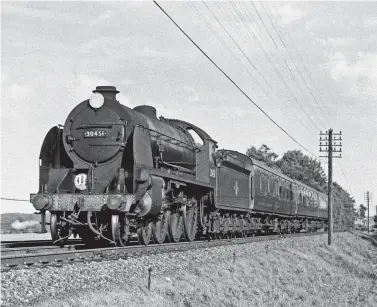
point(344, 274)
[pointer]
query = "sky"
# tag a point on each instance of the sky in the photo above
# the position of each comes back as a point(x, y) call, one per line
point(310, 66)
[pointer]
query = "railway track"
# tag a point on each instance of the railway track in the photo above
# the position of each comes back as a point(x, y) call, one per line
point(32, 243)
point(59, 257)
point(38, 249)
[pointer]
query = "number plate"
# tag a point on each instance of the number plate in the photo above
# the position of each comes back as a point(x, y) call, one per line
point(95, 134)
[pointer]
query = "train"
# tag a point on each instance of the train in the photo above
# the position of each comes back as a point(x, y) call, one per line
point(113, 174)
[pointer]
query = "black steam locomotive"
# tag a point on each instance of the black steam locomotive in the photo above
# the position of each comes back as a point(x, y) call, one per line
point(113, 173)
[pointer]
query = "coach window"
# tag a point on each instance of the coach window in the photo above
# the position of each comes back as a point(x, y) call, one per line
point(290, 191)
point(272, 185)
point(260, 181)
point(316, 203)
point(265, 184)
point(304, 197)
point(271, 180)
point(277, 188)
point(280, 190)
point(273, 189)
point(287, 189)
point(310, 199)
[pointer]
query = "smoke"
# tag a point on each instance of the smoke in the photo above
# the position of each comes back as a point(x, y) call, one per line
point(23, 225)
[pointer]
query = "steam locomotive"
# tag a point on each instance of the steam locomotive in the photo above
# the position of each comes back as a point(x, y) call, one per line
point(113, 173)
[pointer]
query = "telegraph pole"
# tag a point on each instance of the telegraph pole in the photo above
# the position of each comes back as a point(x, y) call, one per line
point(367, 198)
point(328, 144)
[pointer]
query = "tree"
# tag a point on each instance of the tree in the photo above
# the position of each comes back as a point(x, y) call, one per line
point(264, 154)
point(362, 210)
point(343, 206)
point(303, 168)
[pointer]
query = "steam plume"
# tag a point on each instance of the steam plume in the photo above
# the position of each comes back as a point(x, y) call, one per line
point(23, 225)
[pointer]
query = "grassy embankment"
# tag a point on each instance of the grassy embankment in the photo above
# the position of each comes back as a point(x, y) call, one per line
point(344, 274)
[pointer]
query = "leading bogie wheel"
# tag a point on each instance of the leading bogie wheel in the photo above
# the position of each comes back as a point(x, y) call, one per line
point(120, 229)
point(59, 229)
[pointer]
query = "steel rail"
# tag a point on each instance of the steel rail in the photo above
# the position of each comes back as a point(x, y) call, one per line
point(112, 253)
point(39, 249)
point(27, 243)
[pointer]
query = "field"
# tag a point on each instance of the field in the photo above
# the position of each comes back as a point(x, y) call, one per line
point(306, 274)
point(13, 223)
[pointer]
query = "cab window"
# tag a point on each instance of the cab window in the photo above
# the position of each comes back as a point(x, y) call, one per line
point(195, 137)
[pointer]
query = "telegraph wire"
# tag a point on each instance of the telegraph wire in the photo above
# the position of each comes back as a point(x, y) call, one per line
point(282, 56)
point(309, 76)
point(252, 31)
point(238, 86)
point(231, 80)
point(248, 59)
point(285, 62)
point(226, 45)
point(344, 175)
point(282, 41)
point(273, 66)
point(239, 48)
point(298, 54)
point(293, 78)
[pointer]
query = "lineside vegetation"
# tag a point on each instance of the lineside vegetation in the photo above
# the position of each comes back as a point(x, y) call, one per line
point(308, 273)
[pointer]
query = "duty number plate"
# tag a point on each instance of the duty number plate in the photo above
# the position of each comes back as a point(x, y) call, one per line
point(95, 134)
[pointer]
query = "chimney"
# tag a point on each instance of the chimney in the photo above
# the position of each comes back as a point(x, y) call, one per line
point(107, 91)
